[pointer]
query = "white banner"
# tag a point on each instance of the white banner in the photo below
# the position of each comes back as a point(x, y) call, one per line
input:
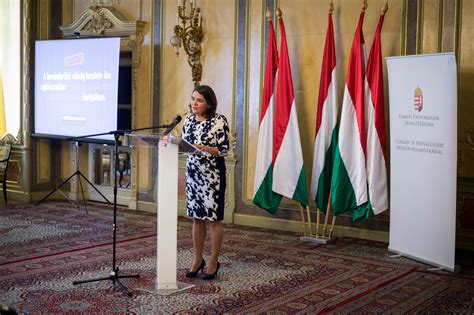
point(423, 157)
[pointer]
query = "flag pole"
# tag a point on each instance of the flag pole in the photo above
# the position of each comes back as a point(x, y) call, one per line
point(331, 8)
point(287, 155)
point(333, 219)
point(318, 214)
point(326, 217)
point(309, 221)
point(303, 222)
point(332, 226)
point(385, 8)
point(322, 140)
point(321, 239)
point(330, 12)
point(264, 197)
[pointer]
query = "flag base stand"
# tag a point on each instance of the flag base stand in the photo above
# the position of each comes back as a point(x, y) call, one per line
point(317, 240)
point(179, 286)
point(317, 237)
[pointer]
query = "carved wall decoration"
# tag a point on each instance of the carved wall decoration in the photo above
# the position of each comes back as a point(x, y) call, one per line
point(10, 139)
point(99, 22)
point(102, 21)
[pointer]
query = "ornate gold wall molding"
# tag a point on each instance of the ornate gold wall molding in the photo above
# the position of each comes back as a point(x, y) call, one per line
point(10, 139)
point(102, 21)
point(26, 109)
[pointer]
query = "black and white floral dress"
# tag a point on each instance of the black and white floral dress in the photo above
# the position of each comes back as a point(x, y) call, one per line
point(205, 173)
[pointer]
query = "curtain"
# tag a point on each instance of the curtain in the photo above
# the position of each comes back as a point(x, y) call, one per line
point(10, 66)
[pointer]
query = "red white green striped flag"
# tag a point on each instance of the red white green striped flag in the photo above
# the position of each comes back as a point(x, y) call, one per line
point(374, 105)
point(264, 197)
point(349, 181)
point(289, 177)
point(326, 124)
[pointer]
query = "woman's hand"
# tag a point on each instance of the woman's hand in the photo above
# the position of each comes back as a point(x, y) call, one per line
point(204, 148)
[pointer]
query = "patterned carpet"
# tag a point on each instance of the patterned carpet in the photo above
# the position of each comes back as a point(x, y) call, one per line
point(44, 249)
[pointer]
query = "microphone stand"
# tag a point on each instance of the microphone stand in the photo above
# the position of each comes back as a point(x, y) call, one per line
point(114, 273)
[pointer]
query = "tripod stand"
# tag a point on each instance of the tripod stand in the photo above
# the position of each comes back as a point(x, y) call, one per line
point(114, 273)
point(79, 175)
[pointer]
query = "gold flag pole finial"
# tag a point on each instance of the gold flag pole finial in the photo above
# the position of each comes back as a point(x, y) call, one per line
point(364, 5)
point(279, 13)
point(331, 7)
point(268, 14)
point(385, 8)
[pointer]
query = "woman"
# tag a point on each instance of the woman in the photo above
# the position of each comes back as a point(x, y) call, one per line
point(205, 177)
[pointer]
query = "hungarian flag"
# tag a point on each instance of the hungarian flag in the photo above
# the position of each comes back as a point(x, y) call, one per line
point(326, 125)
point(288, 173)
point(264, 197)
point(376, 152)
point(349, 181)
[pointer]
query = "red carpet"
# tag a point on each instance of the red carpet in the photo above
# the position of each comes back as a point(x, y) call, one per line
point(44, 249)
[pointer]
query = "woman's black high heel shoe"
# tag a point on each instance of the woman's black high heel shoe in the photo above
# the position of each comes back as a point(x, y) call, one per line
point(193, 274)
point(210, 276)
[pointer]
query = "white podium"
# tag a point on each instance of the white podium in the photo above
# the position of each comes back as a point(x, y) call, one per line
point(167, 207)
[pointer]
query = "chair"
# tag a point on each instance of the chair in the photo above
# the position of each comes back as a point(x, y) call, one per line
point(5, 150)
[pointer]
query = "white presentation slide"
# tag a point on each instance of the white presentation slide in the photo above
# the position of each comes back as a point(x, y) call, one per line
point(76, 86)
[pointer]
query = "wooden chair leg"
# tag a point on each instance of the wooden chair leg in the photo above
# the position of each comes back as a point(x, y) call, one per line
point(120, 178)
point(5, 191)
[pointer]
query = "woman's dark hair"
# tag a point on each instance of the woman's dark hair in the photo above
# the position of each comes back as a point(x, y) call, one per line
point(210, 98)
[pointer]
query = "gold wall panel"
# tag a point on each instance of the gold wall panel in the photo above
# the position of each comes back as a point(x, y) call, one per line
point(66, 169)
point(432, 16)
point(256, 49)
point(466, 89)
point(176, 77)
point(67, 11)
point(44, 19)
point(219, 52)
point(44, 160)
point(449, 25)
point(144, 94)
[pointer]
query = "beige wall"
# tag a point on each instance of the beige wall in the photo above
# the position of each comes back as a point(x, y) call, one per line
point(217, 59)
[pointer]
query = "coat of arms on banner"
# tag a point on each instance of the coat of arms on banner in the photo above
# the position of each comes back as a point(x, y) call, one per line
point(418, 99)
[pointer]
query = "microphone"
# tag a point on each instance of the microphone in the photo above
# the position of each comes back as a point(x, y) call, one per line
point(173, 124)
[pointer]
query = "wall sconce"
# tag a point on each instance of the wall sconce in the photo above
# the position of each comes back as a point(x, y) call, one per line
point(190, 36)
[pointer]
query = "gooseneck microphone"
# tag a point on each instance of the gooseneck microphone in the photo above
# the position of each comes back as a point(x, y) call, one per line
point(173, 124)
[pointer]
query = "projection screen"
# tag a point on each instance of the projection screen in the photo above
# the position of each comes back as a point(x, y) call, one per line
point(76, 83)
